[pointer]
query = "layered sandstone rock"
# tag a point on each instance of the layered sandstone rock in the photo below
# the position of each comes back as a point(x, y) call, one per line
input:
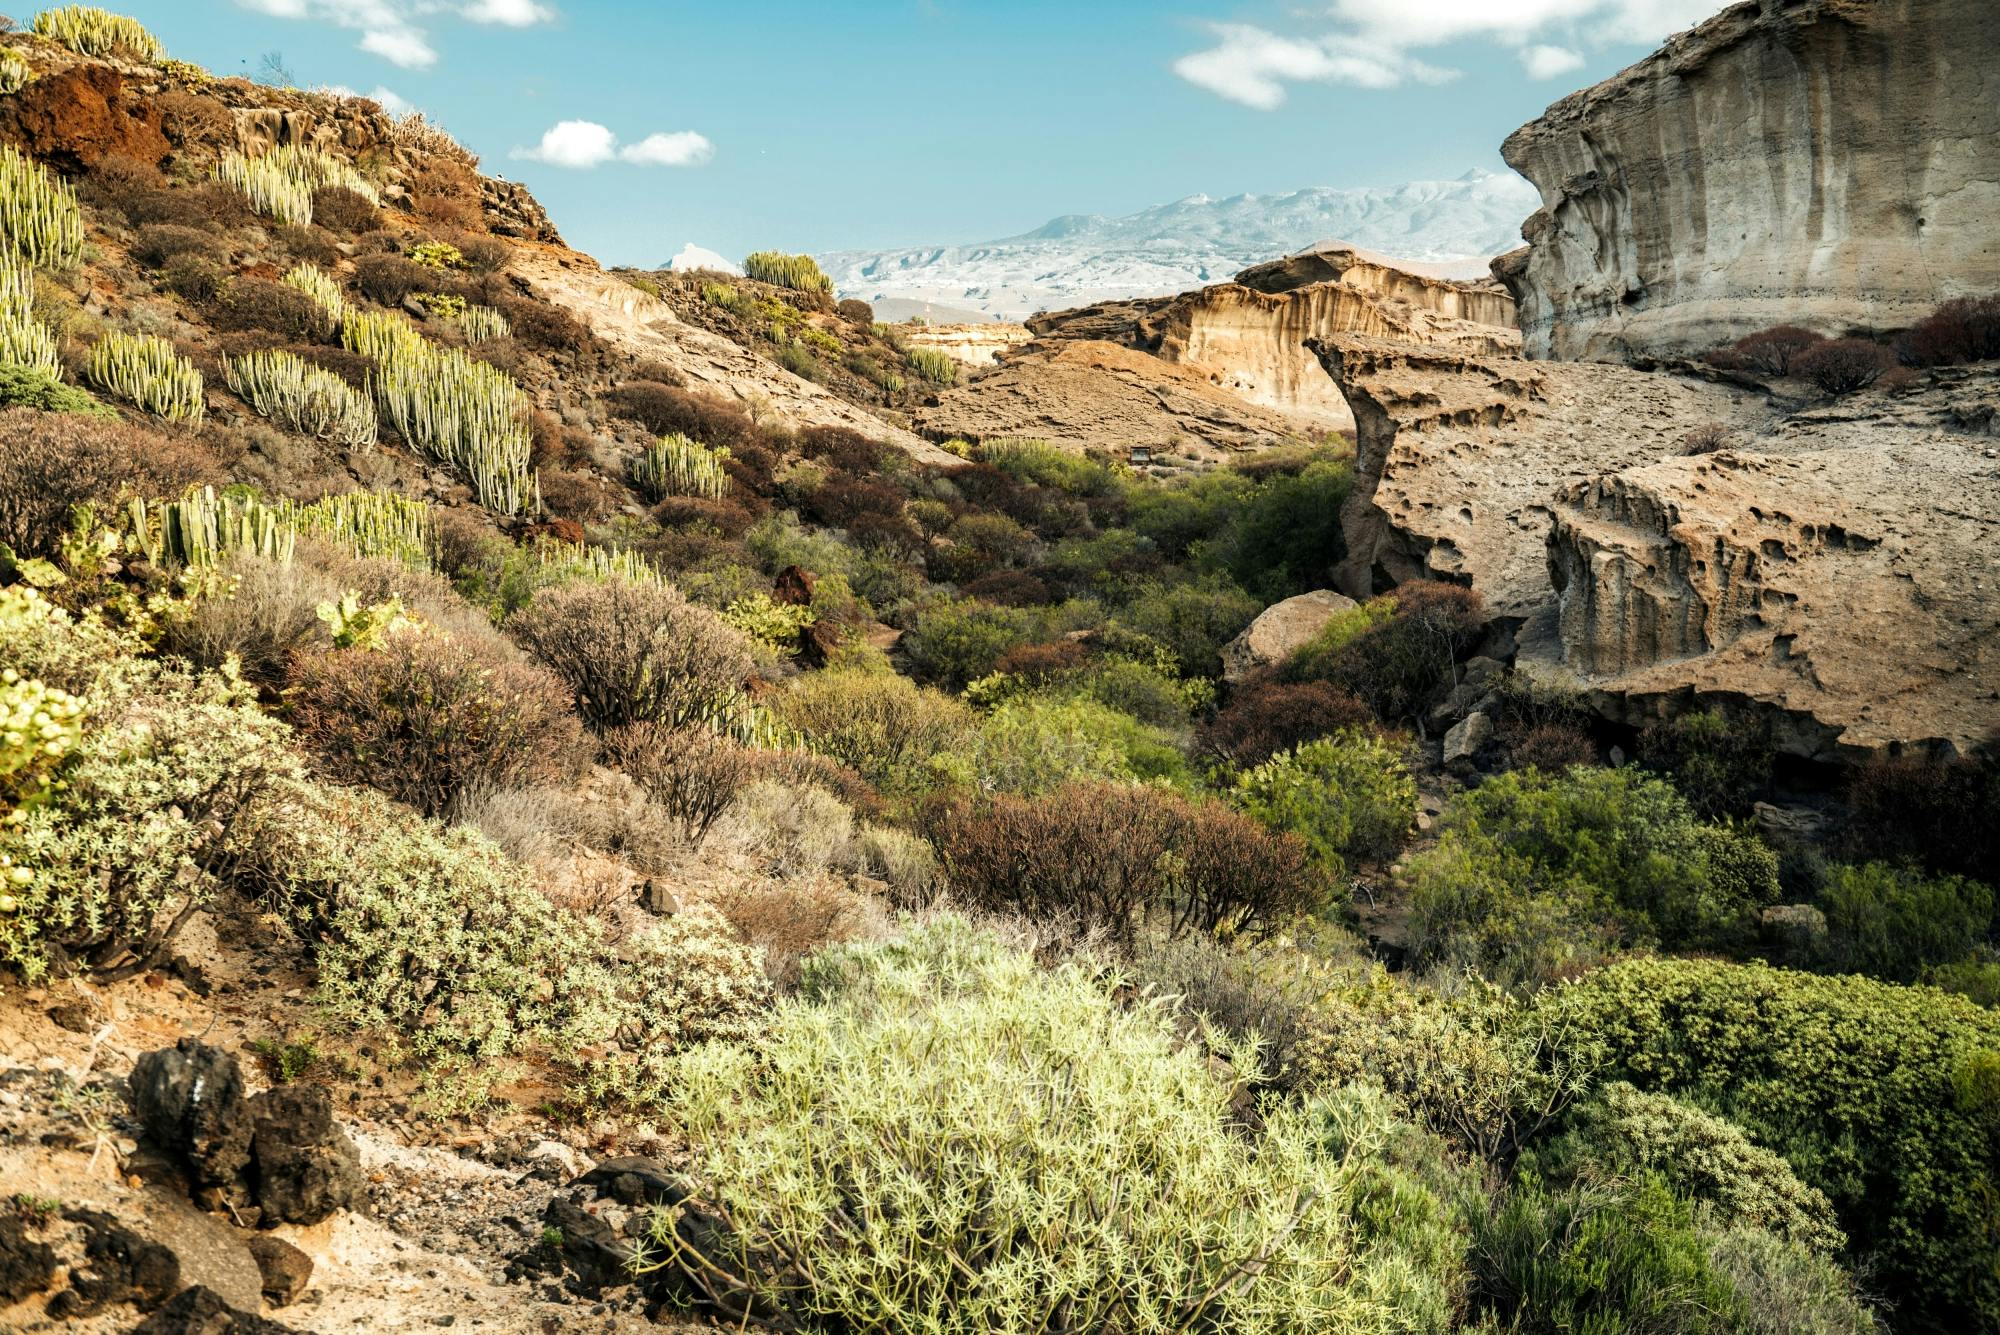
point(1833, 163)
point(1836, 570)
point(974, 344)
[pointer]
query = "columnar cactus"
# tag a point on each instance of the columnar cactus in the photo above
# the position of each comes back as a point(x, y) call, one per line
point(801, 273)
point(146, 371)
point(322, 287)
point(25, 342)
point(280, 182)
point(91, 31)
point(676, 465)
point(39, 220)
point(304, 398)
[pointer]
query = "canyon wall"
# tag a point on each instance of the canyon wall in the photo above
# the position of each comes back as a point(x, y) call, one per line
point(973, 344)
point(1832, 163)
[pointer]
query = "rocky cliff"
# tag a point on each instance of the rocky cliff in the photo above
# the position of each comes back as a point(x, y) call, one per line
point(979, 344)
point(1836, 569)
point(1834, 163)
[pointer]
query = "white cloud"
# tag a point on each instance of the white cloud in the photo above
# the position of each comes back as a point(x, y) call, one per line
point(682, 148)
point(573, 144)
point(1371, 42)
point(396, 29)
point(1546, 62)
point(582, 144)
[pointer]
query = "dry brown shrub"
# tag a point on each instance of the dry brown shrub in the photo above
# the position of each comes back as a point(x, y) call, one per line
point(792, 919)
point(1843, 365)
point(342, 210)
point(1265, 717)
point(50, 463)
point(691, 773)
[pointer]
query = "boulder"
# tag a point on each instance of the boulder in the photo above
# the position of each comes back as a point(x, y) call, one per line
point(26, 1265)
point(284, 1269)
point(201, 1311)
point(1280, 631)
point(1463, 742)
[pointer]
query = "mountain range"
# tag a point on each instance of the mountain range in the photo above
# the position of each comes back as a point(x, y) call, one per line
point(1451, 227)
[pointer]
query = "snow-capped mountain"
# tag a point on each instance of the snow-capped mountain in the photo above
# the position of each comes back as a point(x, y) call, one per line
point(1452, 226)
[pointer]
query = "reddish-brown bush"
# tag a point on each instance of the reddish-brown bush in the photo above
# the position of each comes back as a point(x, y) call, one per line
point(1771, 351)
point(663, 410)
point(160, 242)
point(1266, 716)
point(312, 245)
point(635, 653)
point(1009, 588)
point(540, 325)
point(1965, 329)
point(1552, 748)
point(192, 122)
point(1112, 858)
point(195, 278)
point(427, 716)
point(574, 494)
point(856, 312)
point(342, 210)
point(842, 499)
point(692, 773)
point(484, 254)
point(390, 278)
point(1043, 660)
point(1402, 666)
point(729, 518)
point(838, 447)
point(1941, 813)
point(137, 190)
point(1843, 365)
point(50, 463)
point(256, 303)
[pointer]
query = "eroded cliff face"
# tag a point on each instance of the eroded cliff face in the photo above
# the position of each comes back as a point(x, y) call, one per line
point(973, 344)
point(1836, 570)
point(1832, 163)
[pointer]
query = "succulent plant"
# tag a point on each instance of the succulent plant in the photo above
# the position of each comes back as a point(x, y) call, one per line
point(676, 465)
point(373, 523)
point(801, 273)
point(303, 398)
point(90, 31)
point(280, 182)
point(146, 371)
point(25, 342)
point(39, 220)
point(934, 366)
point(15, 73)
point(202, 528)
point(480, 323)
point(322, 287)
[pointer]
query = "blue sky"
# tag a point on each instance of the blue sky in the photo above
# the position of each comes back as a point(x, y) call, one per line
point(877, 123)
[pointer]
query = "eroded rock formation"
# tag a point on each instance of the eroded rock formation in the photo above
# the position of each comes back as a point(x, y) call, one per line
point(1833, 163)
point(974, 344)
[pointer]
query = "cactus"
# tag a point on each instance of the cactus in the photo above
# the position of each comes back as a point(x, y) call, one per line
point(15, 73)
point(452, 407)
point(480, 323)
point(934, 366)
point(90, 31)
point(801, 273)
point(280, 183)
point(202, 528)
point(373, 523)
point(678, 466)
point(39, 220)
point(322, 287)
point(25, 341)
point(560, 562)
point(145, 370)
point(303, 398)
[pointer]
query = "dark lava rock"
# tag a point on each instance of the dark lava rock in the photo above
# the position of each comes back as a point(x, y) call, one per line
point(306, 1167)
point(118, 1266)
point(26, 1266)
point(200, 1311)
point(285, 1268)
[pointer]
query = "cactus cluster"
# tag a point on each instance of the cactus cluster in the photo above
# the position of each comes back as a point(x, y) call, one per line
point(480, 323)
point(25, 342)
point(90, 31)
point(322, 287)
point(15, 73)
point(560, 562)
point(801, 273)
point(452, 407)
point(202, 528)
point(677, 465)
point(302, 397)
point(373, 523)
point(39, 220)
point(280, 183)
point(933, 365)
point(145, 370)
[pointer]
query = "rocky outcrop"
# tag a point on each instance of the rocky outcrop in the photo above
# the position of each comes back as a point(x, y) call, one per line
point(1836, 570)
point(1103, 397)
point(1833, 163)
point(974, 344)
point(1280, 631)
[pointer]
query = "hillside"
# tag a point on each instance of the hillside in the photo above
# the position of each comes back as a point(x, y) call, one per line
point(537, 798)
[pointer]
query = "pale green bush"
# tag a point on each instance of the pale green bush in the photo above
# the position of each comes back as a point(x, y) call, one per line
point(91, 31)
point(941, 1137)
point(797, 829)
point(903, 861)
point(303, 398)
point(145, 370)
point(40, 224)
point(883, 726)
point(1350, 797)
point(39, 726)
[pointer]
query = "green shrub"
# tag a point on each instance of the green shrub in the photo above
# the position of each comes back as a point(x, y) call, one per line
point(146, 371)
point(1783, 1288)
point(1718, 763)
point(29, 389)
point(1349, 797)
point(91, 31)
point(1046, 465)
point(1402, 665)
point(883, 726)
point(302, 398)
point(104, 873)
point(870, 1166)
point(1533, 874)
point(795, 829)
point(40, 725)
point(1895, 922)
point(426, 717)
point(1193, 620)
point(40, 224)
point(1882, 1097)
point(1705, 1158)
point(1037, 743)
point(1314, 660)
point(1115, 858)
point(1287, 537)
point(801, 273)
point(636, 653)
point(933, 365)
point(437, 255)
point(955, 642)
